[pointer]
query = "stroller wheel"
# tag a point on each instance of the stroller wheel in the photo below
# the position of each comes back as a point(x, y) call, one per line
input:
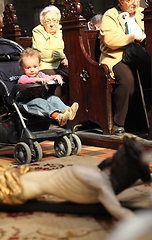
point(75, 144)
point(36, 152)
point(62, 146)
point(22, 153)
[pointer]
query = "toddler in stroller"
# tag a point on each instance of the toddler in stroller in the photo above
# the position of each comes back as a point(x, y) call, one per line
point(51, 106)
point(27, 130)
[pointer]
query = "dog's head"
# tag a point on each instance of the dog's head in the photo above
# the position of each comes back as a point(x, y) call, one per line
point(127, 165)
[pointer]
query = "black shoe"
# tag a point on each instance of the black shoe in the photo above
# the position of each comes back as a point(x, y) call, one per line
point(118, 130)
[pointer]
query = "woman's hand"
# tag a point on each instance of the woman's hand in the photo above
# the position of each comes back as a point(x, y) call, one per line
point(64, 62)
point(140, 38)
point(59, 79)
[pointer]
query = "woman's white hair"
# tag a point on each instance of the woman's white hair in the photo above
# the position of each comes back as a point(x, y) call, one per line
point(51, 9)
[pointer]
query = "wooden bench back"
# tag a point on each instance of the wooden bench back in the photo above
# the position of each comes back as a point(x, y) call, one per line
point(25, 41)
point(93, 44)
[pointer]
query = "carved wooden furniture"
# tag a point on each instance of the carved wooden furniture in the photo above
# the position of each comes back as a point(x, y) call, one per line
point(90, 83)
point(11, 29)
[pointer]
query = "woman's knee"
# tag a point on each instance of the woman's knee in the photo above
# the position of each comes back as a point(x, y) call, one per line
point(128, 81)
point(124, 76)
point(126, 86)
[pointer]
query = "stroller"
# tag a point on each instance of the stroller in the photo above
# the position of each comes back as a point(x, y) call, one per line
point(20, 128)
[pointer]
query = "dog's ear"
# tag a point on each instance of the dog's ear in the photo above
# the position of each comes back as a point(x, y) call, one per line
point(136, 153)
point(105, 163)
point(133, 148)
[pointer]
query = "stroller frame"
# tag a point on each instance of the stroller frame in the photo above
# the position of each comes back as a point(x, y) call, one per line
point(28, 148)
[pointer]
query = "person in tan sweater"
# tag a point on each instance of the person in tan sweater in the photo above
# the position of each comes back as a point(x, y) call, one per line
point(113, 38)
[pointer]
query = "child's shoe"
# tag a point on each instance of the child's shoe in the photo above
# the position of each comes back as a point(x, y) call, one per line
point(62, 118)
point(73, 110)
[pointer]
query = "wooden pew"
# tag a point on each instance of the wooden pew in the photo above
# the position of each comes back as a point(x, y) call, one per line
point(25, 41)
point(90, 83)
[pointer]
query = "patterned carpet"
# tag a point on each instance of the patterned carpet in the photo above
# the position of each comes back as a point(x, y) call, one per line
point(39, 220)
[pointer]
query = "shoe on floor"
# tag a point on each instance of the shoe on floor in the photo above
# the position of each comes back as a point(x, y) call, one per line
point(73, 110)
point(118, 130)
point(62, 118)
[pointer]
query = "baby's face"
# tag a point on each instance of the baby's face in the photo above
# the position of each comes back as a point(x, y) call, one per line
point(31, 66)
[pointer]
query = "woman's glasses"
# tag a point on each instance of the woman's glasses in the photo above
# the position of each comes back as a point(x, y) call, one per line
point(49, 21)
point(132, 1)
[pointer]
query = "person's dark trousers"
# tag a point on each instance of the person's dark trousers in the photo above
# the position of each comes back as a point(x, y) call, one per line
point(126, 83)
point(124, 89)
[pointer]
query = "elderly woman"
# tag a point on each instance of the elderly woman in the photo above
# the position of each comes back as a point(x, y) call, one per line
point(114, 36)
point(47, 39)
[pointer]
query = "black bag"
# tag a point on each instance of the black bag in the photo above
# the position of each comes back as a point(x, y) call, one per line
point(10, 71)
point(136, 56)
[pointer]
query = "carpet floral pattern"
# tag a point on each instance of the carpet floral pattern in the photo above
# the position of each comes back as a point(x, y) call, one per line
point(48, 226)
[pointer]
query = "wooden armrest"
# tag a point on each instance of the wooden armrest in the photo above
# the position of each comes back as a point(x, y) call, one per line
point(25, 41)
